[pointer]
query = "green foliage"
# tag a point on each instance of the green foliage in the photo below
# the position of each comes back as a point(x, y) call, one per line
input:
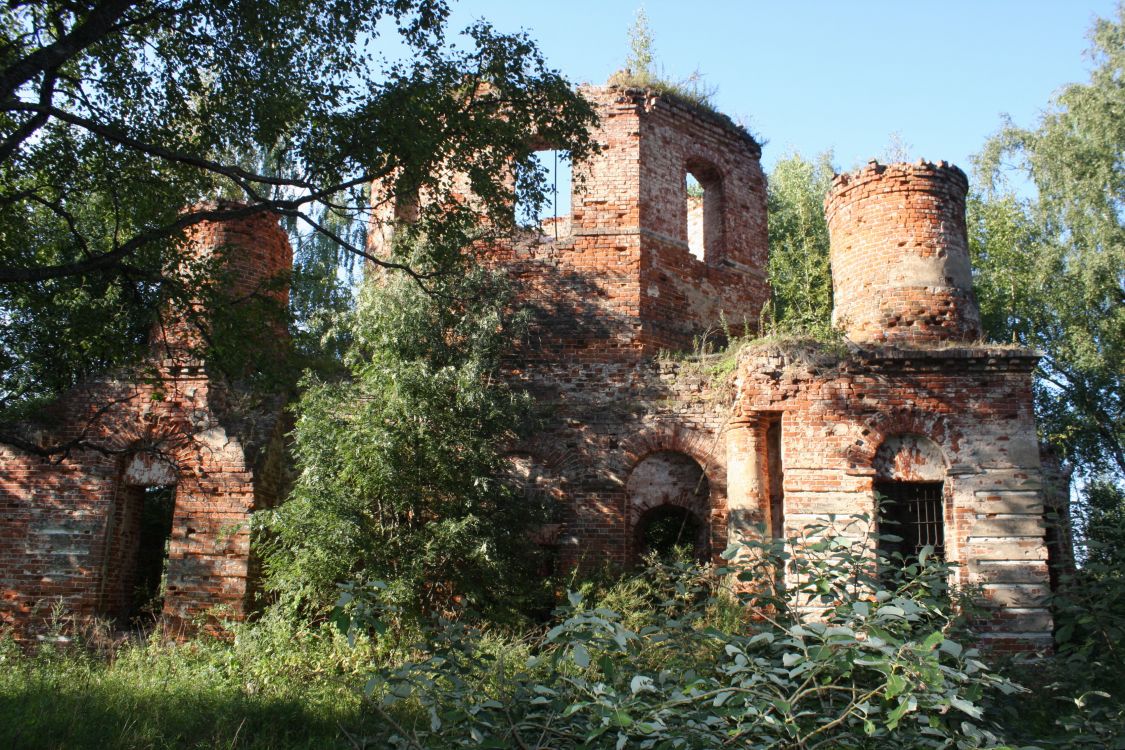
point(120, 118)
point(877, 669)
point(837, 653)
point(642, 72)
point(270, 685)
point(1078, 696)
point(799, 272)
point(1049, 266)
point(400, 473)
point(641, 57)
point(1089, 606)
point(323, 288)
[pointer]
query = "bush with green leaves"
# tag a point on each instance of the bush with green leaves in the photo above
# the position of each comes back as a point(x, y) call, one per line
point(401, 476)
point(800, 644)
point(1078, 695)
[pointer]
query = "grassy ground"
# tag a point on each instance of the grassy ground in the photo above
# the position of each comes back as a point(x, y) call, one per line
point(264, 690)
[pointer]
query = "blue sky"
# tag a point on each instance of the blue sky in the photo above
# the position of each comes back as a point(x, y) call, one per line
point(811, 76)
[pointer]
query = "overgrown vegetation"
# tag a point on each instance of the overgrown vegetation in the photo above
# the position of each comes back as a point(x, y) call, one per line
point(643, 72)
point(802, 644)
point(799, 273)
point(805, 643)
point(121, 120)
point(400, 473)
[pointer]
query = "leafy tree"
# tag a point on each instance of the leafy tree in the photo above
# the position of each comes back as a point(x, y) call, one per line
point(799, 271)
point(1051, 265)
point(400, 472)
point(641, 56)
point(119, 118)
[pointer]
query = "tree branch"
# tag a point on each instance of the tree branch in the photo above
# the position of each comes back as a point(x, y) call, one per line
point(101, 21)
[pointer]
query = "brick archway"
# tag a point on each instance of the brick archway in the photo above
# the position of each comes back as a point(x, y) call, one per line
point(703, 451)
point(874, 431)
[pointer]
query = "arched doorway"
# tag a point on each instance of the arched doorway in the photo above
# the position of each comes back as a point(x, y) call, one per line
point(669, 506)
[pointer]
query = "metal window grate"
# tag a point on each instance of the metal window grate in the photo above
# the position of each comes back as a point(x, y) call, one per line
point(912, 511)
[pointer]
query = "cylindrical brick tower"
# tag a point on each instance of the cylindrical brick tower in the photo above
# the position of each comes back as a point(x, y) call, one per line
point(255, 252)
point(900, 254)
point(254, 262)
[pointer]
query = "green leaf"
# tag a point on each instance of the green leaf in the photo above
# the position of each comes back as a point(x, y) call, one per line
point(580, 655)
point(933, 640)
point(965, 707)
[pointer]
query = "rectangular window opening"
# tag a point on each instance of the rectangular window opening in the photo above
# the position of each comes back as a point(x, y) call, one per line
point(696, 199)
point(551, 217)
point(135, 568)
point(776, 474)
point(913, 513)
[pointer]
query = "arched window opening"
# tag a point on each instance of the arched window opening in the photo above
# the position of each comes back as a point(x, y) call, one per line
point(546, 210)
point(670, 531)
point(909, 487)
point(704, 209)
point(669, 505)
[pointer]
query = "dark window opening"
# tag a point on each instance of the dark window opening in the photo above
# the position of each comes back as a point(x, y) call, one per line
point(776, 471)
point(550, 214)
point(1060, 558)
point(912, 514)
point(704, 209)
point(667, 529)
point(152, 550)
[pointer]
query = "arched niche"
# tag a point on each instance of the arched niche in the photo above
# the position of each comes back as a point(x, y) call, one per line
point(910, 488)
point(909, 458)
point(669, 504)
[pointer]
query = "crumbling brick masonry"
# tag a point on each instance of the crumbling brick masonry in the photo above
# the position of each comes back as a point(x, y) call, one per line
point(913, 407)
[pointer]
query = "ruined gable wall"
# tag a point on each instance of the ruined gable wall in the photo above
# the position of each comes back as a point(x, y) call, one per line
point(65, 528)
point(622, 284)
point(585, 286)
point(683, 296)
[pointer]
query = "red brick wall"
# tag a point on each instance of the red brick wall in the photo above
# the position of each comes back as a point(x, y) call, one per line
point(900, 257)
point(606, 420)
point(682, 296)
point(623, 283)
point(974, 404)
point(66, 520)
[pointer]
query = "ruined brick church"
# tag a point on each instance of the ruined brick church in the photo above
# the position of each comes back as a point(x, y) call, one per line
point(915, 407)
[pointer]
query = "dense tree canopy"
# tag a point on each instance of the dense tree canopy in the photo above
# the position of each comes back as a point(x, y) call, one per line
point(798, 263)
point(400, 467)
point(117, 119)
point(1051, 265)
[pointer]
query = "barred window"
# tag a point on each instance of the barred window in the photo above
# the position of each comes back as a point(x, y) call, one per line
point(913, 512)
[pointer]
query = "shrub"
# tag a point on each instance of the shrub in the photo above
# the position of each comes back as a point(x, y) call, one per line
point(800, 644)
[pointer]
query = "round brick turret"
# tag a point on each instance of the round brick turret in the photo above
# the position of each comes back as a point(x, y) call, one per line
point(900, 254)
point(255, 251)
point(254, 262)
